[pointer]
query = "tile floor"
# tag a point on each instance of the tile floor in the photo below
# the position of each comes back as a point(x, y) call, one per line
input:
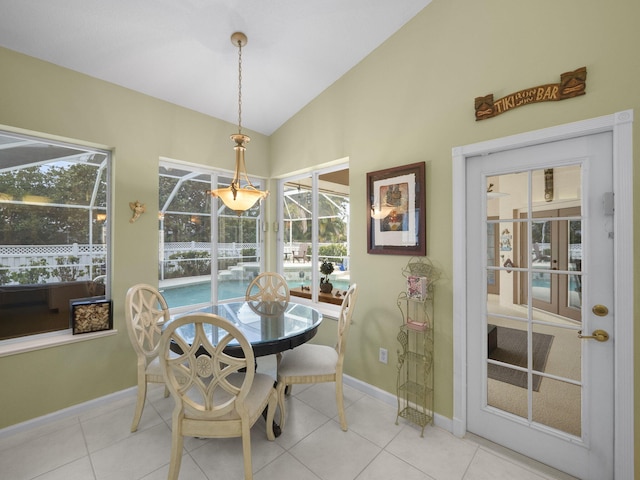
point(96, 445)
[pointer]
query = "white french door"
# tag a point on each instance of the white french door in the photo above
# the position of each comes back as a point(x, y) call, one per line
point(588, 450)
point(533, 384)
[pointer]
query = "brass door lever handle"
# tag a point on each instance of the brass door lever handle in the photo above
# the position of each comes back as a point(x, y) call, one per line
point(599, 335)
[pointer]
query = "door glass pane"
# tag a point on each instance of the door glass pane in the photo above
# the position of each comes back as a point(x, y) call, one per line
point(575, 263)
point(507, 397)
point(559, 349)
point(541, 244)
point(504, 192)
point(497, 310)
point(541, 286)
point(493, 276)
point(533, 317)
point(558, 405)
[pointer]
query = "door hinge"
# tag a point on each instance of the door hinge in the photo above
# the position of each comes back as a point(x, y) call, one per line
point(607, 202)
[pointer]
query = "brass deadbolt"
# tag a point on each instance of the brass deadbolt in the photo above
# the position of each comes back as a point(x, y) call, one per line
point(600, 310)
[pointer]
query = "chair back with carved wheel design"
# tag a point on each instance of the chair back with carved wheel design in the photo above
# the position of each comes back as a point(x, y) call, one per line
point(217, 395)
point(268, 293)
point(146, 312)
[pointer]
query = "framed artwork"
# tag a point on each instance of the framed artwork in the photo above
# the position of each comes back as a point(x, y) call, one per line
point(91, 315)
point(396, 216)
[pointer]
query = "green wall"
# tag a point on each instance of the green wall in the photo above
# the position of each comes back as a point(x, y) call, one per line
point(41, 97)
point(410, 100)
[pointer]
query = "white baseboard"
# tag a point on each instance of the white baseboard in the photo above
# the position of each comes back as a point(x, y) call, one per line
point(371, 390)
point(67, 412)
point(390, 399)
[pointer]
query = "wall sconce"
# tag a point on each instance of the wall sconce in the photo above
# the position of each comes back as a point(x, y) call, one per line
point(138, 209)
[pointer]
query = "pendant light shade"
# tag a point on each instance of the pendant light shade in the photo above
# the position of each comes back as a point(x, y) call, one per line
point(238, 198)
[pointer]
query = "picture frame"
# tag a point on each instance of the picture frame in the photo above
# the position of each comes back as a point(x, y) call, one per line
point(91, 315)
point(396, 212)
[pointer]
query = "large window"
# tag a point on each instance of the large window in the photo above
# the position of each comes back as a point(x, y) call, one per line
point(53, 232)
point(204, 257)
point(314, 219)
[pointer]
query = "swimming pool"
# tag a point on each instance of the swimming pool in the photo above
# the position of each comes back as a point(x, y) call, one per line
point(194, 293)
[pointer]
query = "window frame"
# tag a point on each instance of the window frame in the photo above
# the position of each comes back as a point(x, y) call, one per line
point(215, 176)
point(326, 308)
point(64, 336)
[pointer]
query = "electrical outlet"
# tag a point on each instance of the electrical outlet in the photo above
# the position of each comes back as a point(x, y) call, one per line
point(382, 356)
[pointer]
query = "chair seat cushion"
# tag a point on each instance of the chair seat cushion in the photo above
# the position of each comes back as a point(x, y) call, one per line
point(154, 367)
point(308, 359)
point(258, 396)
point(153, 372)
point(255, 401)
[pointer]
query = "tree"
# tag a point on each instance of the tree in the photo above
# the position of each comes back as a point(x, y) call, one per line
point(42, 201)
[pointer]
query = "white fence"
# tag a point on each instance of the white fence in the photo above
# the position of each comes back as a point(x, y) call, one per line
point(54, 263)
point(233, 250)
point(51, 263)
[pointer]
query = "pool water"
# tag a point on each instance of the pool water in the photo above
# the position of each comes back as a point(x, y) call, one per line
point(196, 293)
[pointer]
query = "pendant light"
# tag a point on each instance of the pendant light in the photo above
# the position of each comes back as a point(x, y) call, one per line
point(237, 198)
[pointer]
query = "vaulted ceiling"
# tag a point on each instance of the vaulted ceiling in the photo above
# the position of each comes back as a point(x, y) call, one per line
point(180, 50)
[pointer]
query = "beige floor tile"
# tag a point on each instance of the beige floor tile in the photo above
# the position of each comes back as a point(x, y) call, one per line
point(134, 457)
point(439, 454)
point(487, 466)
point(322, 397)
point(79, 469)
point(373, 419)
point(301, 421)
point(43, 454)
point(386, 466)
point(222, 457)
point(115, 425)
point(189, 470)
point(285, 467)
point(333, 454)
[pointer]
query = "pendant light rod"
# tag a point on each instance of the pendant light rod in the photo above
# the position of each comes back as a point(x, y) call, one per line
point(235, 197)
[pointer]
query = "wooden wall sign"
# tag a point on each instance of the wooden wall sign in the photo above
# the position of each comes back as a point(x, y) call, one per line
point(572, 84)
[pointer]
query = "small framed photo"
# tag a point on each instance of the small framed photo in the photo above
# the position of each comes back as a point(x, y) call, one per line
point(91, 315)
point(396, 216)
point(417, 287)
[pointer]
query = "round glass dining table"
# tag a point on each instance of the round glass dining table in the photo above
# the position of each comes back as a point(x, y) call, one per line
point(270, 327)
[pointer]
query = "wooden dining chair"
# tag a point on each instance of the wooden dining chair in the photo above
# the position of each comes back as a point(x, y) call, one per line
point(268, 287)
point(146, 312)
point(216, 395)
point(268, 294)
point(311, 363)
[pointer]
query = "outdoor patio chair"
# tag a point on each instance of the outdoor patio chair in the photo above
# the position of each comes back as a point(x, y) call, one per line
point(301, 254)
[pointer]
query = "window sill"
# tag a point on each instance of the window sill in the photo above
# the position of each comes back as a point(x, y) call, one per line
point(14, 347)
point(322, 297)
point(328, 310)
